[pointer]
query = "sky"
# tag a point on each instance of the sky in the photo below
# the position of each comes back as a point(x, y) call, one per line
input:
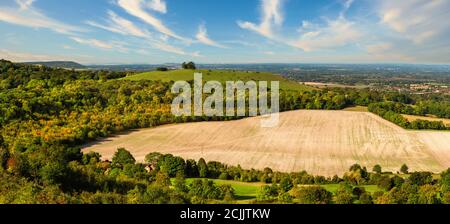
point(226, 31)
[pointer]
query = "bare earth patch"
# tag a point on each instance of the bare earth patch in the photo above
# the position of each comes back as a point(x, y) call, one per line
point(319, 142)
point(414, 118)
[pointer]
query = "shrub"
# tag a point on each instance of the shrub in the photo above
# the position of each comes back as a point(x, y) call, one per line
point(313, 195)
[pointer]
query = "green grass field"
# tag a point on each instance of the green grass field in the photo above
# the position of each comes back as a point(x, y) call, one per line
point(246, 192)
point(334, 187)
point(219, 75)
point(243, 191)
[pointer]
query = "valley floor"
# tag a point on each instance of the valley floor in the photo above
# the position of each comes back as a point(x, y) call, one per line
point(319, 142)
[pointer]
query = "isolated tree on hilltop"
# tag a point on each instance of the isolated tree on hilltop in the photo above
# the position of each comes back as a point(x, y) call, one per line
point(190, 65)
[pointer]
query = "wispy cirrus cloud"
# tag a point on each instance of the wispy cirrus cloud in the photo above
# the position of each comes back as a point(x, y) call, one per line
point(120, 25)
point(202, 37)
point(93, 42)
point(117, 24)
point(157, 5)
point(113, 45)
point(272, 16)
point(26, 15)
point(24, 4)
point(416, 20)
point(332, 34)
point(412, 31)
point(137, 8)
point(335, 33)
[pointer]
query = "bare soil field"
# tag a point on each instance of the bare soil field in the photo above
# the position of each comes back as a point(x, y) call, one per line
point(319, 142)
point(413, 118)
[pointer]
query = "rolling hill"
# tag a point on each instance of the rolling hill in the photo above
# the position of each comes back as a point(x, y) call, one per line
point(221, 76)
point(319, 142)
point(58, 64)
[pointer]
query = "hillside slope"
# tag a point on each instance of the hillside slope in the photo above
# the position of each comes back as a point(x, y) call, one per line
point(320, 142)
point(58, 64)
point(221, 76)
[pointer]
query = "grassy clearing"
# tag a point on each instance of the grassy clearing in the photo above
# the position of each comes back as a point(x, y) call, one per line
point(221, 76)
point(246, 192)
point(243, 190)
point(334, 187)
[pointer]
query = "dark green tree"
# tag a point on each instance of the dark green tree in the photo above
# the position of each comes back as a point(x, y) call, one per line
point(385, 183)
point(286, 184)
point(344, 195)
point(121, 158)
point(313, 195)
point(404, 169)
point(377, 169)
point(162, 179)
point(445, 181)
point(420, 178)
point(4, 154)
point(365, 199)
point(189, 65)
point(162, 69)
point(202, 168)
point(153, 158)
point(171, 165)
point(179, 183)
point(268, 193)
point(191, 168)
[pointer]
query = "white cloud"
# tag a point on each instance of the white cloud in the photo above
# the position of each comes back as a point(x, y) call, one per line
point(120, 25)
point(24, 4)
point(271, 17)
point(27, 15)
point(157, 5)
point(416, 20)
point(335, 33)
point(114, 45)
point(348, 4)
point(240, 42)
point(202, 37)
point(137, 9)
point(117, 24)
point(415, 30)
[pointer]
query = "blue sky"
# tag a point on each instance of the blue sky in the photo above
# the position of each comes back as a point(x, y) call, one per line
point(226, 31)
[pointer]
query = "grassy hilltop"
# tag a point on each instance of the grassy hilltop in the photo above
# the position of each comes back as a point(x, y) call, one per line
point(219, 75)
